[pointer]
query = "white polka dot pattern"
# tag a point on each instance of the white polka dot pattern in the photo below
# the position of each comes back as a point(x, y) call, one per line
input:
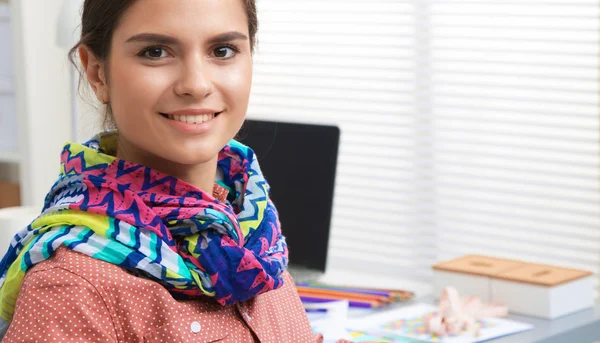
point(59, 306)
point(72, 297)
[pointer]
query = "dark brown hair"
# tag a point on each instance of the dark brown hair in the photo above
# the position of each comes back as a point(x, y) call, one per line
point(100, 18)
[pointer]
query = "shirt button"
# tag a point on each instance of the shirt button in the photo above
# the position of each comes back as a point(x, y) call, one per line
point(195, 327)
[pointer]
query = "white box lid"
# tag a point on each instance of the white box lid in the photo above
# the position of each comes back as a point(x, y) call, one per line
point(542, 275)
point(478, 265)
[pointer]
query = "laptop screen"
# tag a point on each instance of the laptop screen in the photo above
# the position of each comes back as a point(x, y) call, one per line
point(299, 162)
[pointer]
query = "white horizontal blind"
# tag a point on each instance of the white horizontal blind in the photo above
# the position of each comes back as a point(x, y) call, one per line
point(517, 149)
point(353, 64)
point(467, 126)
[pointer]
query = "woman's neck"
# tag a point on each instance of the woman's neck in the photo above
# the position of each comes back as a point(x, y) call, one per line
point(201, 175)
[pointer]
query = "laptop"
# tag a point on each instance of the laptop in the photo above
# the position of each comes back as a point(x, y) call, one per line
point(299, 161)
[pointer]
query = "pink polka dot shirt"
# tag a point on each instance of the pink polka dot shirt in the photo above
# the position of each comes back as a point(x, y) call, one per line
point(72, 297)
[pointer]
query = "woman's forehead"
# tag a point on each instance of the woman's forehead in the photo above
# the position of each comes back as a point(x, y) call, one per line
point(183, 19)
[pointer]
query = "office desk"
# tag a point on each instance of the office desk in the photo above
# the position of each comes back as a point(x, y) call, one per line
point(579, 327)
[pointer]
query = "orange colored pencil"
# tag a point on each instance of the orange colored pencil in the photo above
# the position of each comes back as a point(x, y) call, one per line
point(395, 294)
point(343, 294)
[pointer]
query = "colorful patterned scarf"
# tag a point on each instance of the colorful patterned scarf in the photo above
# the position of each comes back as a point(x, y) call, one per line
point(156, 225)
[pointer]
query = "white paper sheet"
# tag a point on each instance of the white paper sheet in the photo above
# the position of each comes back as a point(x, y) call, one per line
point(331, 323)
point(408, 321)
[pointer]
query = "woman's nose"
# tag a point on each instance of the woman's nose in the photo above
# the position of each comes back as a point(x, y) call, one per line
point(194, 80)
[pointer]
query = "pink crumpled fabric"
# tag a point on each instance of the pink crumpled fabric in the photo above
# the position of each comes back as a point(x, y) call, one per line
point(457, 315)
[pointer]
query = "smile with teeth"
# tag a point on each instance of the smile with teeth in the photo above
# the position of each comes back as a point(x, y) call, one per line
point(190, 119)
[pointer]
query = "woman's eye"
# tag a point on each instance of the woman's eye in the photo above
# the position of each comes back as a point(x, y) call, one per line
point(224, 52)
point(154, 53)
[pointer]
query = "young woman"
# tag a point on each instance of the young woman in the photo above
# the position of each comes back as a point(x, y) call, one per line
point(160, 230)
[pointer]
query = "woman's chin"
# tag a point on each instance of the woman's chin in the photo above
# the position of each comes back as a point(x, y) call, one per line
point(192, 158)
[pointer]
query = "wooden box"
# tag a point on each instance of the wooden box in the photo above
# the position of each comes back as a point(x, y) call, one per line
point(543, 291)
point(9, 194)
point(470, 275)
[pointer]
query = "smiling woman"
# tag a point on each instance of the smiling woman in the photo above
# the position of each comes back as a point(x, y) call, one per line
point(160, 229)
point(168, 66)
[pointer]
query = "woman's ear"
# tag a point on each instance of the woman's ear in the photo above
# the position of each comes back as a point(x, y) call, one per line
point(95, 72)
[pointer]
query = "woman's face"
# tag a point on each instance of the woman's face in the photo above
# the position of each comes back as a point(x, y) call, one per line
point(178, 78)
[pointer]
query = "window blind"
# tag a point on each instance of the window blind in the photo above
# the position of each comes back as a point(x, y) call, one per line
point(467, 126)
point(516, 121)
point(352, 64)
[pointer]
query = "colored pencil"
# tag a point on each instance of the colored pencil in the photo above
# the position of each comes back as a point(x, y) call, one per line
point(345, 294)
point(343, 289)
point(329, 297)
point(399, 295)
point(390, 291)
point(353, 303)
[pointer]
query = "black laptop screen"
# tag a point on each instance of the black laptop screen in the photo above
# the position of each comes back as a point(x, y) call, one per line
point(299, 162)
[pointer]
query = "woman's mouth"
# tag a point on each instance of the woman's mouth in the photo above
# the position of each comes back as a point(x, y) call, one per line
point(191, 119)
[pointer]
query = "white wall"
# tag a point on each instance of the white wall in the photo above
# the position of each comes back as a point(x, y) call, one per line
point(43, 98)
point(88, 113)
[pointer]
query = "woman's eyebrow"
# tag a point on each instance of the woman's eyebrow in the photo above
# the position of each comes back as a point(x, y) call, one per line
point(153, 38)
point(227, 37)
point(168, 40)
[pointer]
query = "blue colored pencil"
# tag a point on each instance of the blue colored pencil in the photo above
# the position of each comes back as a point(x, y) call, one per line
point(344, 289)
point(352, 303)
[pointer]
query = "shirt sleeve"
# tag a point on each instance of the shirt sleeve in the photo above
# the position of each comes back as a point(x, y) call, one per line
point(56, 305)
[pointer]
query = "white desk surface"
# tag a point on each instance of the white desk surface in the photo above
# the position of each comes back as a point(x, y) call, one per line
point(579, 327)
